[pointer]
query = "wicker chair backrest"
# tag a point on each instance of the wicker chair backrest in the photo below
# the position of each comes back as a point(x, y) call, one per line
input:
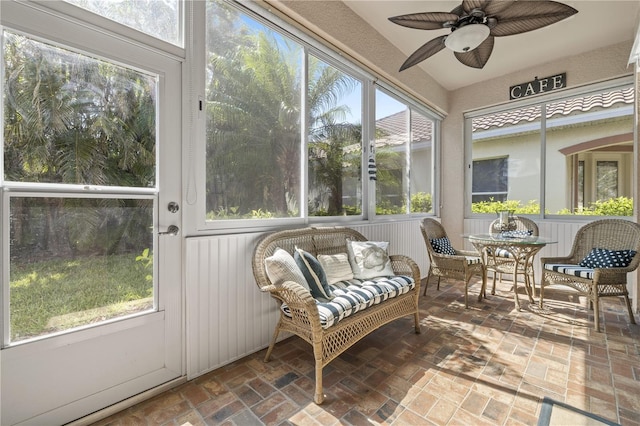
point(315, 240)
point(521, 224)
point(611, 234)
point(431, 229)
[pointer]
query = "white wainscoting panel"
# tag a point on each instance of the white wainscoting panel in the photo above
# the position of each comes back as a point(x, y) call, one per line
point(227, 317)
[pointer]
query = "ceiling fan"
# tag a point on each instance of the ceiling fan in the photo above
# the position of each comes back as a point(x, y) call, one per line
point(475, 23)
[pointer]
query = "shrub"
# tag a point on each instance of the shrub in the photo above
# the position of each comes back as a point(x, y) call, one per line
point(421, 202)
point(532, 207)
point(621, 206)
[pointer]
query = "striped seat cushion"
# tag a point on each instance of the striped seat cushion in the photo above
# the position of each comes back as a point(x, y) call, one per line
point(472, 260)
point(576, 270)
point(500, 252)
point(355, 295)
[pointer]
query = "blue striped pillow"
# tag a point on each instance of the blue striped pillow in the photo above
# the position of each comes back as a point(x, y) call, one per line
point(314, 274)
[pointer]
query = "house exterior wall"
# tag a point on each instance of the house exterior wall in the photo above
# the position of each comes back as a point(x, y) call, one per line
point(585, 68)
point(523, 152)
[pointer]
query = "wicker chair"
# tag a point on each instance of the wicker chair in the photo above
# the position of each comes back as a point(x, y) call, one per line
point(610, 234)
point(503, 262)
point(460, 266)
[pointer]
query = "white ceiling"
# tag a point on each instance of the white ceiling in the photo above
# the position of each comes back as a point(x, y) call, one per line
point(598, 23)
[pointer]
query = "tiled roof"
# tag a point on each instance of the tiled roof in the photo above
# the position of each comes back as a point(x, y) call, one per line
point(394, 128)
point(566, 107)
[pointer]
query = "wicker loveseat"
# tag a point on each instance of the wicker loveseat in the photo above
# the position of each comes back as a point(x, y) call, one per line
point(300, 312)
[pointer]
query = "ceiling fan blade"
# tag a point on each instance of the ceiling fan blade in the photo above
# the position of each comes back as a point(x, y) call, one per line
point(425, 21)
point(492, 8)
point(477, 57)
point(458, 10)
point(428, 49)
point(469, 5)
point(524, 16)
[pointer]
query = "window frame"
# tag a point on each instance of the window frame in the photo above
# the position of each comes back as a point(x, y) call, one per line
point(195, 150)
point(542, 100)
point(86, 16)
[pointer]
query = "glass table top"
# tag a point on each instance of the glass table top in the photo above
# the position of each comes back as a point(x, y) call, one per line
point(505, 238)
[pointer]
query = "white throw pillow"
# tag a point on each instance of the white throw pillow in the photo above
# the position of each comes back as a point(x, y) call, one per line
point(369, 259)
point(336, 267)
point(282, 267)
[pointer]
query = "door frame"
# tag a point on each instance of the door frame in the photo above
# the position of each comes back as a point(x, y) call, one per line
point(35, 373)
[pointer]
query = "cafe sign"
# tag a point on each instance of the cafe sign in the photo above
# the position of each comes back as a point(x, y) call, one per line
point(538, 86)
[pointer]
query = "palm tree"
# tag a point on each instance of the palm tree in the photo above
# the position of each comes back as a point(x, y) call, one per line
point(254, 112)
point(335, 145)
point(74, 120)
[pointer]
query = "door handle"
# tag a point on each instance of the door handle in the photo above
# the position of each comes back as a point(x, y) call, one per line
point(172, 230)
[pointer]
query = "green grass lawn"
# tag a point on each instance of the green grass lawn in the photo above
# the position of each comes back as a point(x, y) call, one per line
point(56, 295)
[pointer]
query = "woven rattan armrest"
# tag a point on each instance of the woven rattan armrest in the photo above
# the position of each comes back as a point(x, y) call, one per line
point(452, 262)
point(467, 253)
point(404, 265)
point(569, 260)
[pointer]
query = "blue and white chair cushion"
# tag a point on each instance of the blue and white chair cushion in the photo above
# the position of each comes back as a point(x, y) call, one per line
point(577, 270)
point(517, 233)
point(355, 295)
point(603, 258)
point(442, 246)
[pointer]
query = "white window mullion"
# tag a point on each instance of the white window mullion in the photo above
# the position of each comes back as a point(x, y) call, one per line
point(304, 135)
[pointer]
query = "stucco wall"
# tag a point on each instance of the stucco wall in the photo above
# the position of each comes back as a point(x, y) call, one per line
point(597, 65)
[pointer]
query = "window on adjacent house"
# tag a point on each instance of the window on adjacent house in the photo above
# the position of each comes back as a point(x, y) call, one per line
point(583, 149)
point(501, 182)
point(579, 199)
point(606, 180)
point(490, 180)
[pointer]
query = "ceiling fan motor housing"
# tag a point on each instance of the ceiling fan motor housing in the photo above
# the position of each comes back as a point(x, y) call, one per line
point(466, 38)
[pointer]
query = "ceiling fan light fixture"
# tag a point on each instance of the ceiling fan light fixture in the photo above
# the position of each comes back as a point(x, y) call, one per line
point(467, 38)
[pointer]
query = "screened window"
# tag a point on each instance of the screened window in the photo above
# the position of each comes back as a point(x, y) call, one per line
point(334, 151)
point(578, 160)
point(596, 130)
point(288, 130)
point(403, 157)
point(78, 133)
point(253, 118)
point(160, 19)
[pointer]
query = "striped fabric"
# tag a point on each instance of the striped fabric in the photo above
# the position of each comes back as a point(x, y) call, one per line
point(576, 270)
point(472, 260)
point(500, 252)
point(355, 295)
